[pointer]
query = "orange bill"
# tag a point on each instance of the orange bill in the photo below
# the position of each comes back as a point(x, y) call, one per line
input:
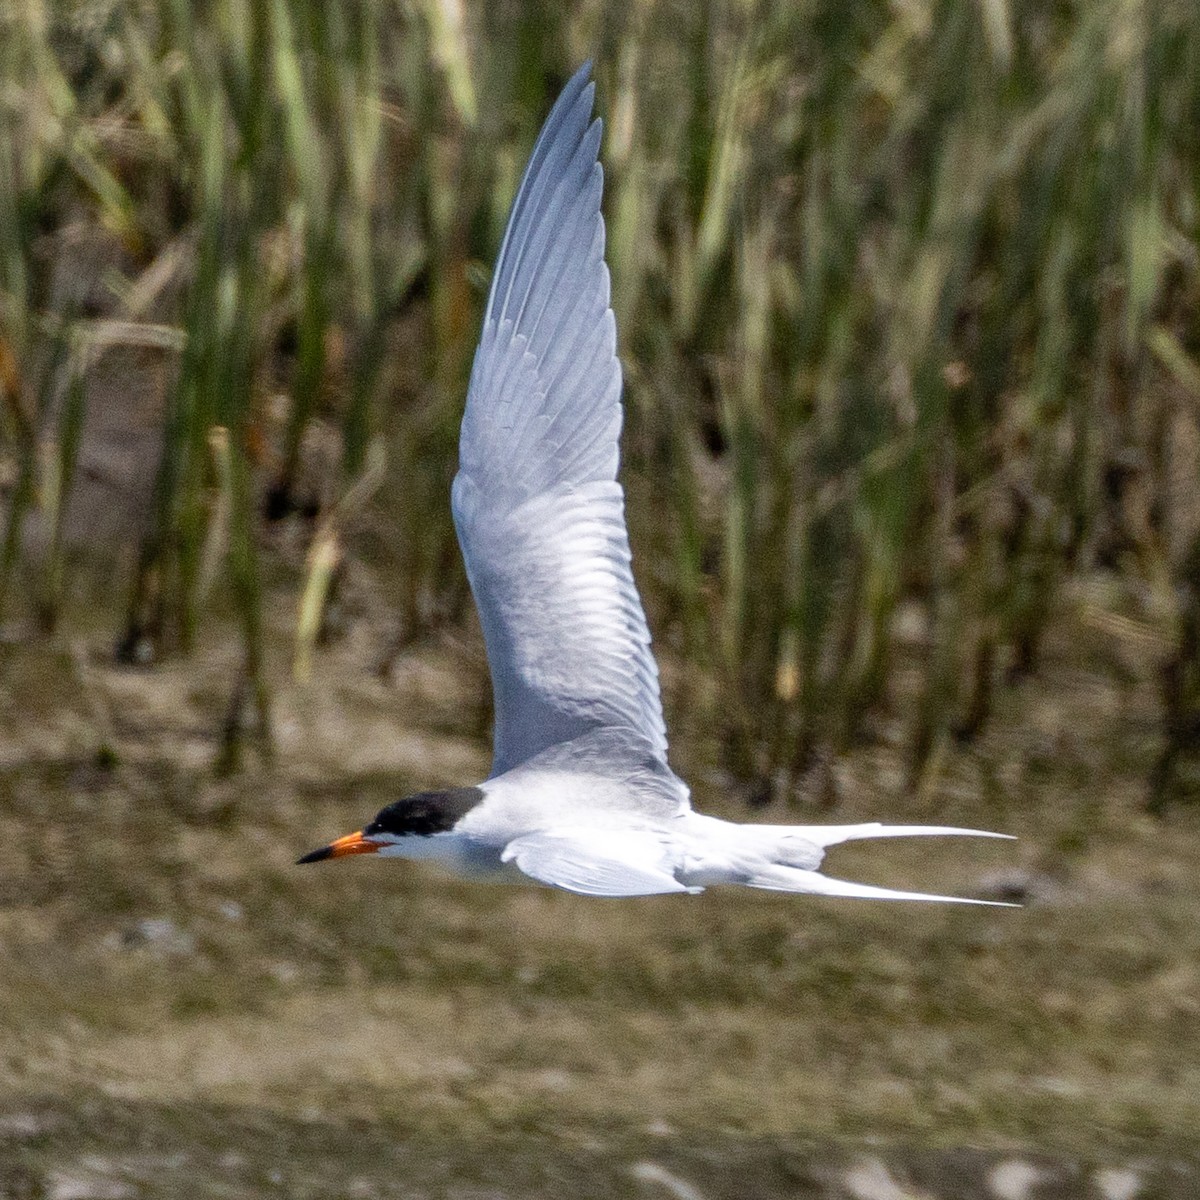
point(352, 843)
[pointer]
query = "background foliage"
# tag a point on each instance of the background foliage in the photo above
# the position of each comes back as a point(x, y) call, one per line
point(907, 296)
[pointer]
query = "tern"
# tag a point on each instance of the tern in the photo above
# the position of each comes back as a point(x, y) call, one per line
point(580, 795)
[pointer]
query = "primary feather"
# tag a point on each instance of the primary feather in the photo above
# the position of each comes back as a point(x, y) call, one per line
point(538, 509)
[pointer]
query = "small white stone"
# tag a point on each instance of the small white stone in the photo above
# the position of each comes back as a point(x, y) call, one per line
point(19, 1126)
point(680, 1189)
point(1118, 1183)
point(61, 1186)
point(553, 1079)
point(871, 1180)
point(1014, 1179)
point(161, 935)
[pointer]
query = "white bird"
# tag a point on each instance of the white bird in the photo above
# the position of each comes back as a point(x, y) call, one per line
point(580, 795)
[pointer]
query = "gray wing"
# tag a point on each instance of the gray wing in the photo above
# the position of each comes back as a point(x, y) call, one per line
point(539, 512)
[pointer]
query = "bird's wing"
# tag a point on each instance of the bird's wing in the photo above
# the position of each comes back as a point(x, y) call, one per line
point(539, 512)
point(597, 862)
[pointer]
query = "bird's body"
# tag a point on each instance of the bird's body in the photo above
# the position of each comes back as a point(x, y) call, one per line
point(603, 816)
point(581, 796)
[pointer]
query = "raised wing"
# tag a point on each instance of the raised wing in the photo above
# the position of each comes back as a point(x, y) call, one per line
point(539, 512)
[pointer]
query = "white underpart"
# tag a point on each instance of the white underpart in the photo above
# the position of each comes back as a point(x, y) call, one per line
point(580, 794)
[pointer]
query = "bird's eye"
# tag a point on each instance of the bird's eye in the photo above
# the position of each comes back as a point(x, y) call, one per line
point(385, 821)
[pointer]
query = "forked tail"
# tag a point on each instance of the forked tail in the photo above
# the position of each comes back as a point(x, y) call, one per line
point(792, 871)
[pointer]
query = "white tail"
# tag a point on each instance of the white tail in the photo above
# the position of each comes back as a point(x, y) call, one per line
point(832, 835)
point(785, 877)
point(792, 879)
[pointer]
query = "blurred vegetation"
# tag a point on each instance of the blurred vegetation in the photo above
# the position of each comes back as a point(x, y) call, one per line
point(907, 297)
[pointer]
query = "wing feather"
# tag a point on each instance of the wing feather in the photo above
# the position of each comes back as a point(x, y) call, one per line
point(597, 862)
point(539, 512)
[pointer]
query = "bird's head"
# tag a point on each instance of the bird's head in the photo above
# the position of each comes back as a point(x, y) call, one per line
point(393, 828)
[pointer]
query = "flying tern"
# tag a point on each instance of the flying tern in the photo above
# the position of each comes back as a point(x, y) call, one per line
point(580, 795)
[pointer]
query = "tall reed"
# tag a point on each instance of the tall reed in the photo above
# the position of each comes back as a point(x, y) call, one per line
point(906, 295)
